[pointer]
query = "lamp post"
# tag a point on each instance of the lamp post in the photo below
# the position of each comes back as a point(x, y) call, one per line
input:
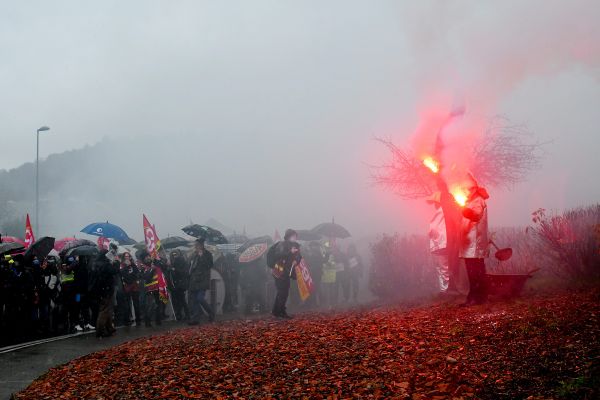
point(37, 179)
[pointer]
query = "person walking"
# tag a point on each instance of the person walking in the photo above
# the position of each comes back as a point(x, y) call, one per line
point(201, 264)
point(474, 241)
point(179, 280)
point(283, 256)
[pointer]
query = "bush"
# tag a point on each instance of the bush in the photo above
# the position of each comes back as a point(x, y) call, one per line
point(570, 242)
point(401, 267)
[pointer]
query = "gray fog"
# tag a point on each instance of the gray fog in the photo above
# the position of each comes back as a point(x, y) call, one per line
point(263, 114)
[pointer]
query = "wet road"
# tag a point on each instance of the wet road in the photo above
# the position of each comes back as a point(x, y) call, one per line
point(18, 368)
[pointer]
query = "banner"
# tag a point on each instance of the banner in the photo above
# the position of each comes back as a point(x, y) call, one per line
point(29, 239)
point(304, 280)
point(151, 238)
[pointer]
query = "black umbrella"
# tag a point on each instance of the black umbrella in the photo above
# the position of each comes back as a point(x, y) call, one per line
point(73, 244)
point(139, 245)
point(11, 247)
point(331, 230)
point(40, 248)
point(308, 236)
point(259, 240)
point(83, 251)
point(237, 238)
point(211, 235)
point(173, 241)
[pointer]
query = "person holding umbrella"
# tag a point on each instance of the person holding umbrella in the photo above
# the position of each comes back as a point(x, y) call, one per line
point(200, 265)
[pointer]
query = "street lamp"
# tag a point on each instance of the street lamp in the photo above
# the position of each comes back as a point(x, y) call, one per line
point(37, 179)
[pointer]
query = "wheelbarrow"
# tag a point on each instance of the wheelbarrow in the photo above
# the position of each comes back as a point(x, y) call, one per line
point(507, 285)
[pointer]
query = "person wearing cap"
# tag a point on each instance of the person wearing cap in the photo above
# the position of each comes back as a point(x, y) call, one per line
point(474, 240)
point(438, 242)
point(201, 264)
point(288, 251)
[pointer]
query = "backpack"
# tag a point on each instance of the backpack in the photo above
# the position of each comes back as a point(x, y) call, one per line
point(273, 255)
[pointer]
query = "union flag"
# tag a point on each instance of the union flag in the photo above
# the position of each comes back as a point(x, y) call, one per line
point(29, 239)
point(151, 238)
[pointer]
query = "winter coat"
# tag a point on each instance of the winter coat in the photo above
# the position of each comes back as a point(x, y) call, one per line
point(130, 274)
point(285, 259)
point(104, 276)
point(474, 241)
point(179, 274)
point(200, 266)
point(437, 232)
point(315, 262)
point(150, 275)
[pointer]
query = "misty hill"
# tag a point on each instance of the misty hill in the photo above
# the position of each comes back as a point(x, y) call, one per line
point(106, 181)
point(173, 180)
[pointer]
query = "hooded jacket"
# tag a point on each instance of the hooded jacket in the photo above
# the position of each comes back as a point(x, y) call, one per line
point(474, 240)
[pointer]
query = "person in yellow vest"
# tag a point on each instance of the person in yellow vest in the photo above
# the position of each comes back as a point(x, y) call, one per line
point(69, 296)
point(151, 293)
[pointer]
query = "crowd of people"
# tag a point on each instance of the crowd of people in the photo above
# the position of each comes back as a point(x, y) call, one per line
point(97, 292)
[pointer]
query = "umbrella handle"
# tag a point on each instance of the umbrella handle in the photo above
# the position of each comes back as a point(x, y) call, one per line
point(494, 244)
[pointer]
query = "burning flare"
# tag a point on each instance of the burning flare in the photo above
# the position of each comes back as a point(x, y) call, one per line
point(460, 195)
point(433, 165)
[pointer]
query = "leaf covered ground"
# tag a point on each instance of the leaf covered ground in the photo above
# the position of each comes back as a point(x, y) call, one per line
point(539, 347)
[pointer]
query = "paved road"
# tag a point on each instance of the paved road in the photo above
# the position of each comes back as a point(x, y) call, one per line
point(20, 367)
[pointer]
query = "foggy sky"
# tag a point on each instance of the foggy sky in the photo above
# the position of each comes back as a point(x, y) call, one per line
point(276, 103)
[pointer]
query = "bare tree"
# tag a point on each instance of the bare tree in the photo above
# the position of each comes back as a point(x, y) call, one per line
point(502, 157)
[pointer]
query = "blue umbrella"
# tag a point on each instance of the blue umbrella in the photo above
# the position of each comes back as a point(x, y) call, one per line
point(107, 230)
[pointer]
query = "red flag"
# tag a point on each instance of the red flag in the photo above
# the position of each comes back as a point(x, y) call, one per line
point(162, 286)
point(29, 239)
point(151, 238)
point(103, 243)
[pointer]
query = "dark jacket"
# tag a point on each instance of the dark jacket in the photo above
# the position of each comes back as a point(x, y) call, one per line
point(200, 267)
point(179, 273)
point(286, 258)
point(131, 277)
point(103, 282)
point(150, 277)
